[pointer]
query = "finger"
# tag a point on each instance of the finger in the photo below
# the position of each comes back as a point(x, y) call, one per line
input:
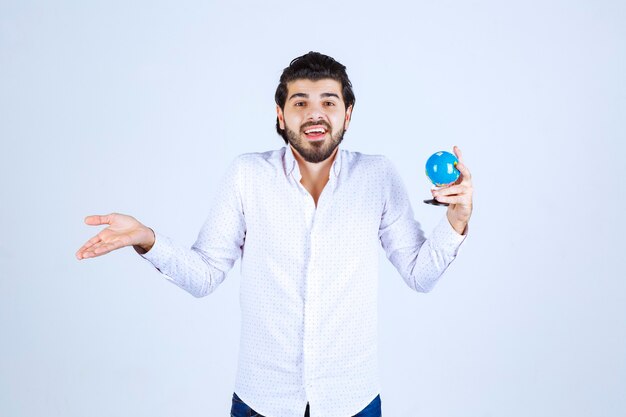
point(454, 199)
point(97, 219)
point(89, 244)
point(457, 152)
point(101, 248)
point(86, 253)
point(91, 254)
point(465, 173)
point(452, 190)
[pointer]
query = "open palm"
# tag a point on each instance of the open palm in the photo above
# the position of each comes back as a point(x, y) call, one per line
point(123, 231)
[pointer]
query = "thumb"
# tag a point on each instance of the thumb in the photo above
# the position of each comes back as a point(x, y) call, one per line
point(458, 154)
point(98, 219)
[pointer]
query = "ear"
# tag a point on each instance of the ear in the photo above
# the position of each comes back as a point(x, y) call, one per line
point(281, 117)
point(348, 118)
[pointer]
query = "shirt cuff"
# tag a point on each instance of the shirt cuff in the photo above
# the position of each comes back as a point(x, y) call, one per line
point(446, 238)
point(159, 251)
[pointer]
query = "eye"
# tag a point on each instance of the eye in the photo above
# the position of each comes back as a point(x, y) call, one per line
point(299, 103)
point(329, 103)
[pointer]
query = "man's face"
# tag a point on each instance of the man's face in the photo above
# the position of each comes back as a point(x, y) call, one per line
point(315, 117)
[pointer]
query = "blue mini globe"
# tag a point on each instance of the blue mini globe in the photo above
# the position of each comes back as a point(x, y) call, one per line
point(441, 168)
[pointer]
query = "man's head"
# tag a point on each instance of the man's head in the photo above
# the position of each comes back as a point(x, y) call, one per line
point(314, 102)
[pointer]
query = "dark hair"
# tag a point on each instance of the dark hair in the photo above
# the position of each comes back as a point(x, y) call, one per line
point(312, 66)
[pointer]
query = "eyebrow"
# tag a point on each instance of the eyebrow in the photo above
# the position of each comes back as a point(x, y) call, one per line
point(304, 95)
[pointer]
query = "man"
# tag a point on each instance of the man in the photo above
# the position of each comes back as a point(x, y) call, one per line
point(306, 221)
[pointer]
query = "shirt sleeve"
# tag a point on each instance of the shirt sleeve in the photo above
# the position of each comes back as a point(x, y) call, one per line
point(420, 261)
point(200, 269)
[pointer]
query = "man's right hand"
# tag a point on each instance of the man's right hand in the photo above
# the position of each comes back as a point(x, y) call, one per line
point(123, 231)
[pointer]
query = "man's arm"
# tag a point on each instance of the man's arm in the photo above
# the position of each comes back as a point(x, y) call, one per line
point(419, 261)
point(199, 269)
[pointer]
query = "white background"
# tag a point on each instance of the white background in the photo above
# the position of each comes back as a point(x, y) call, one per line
point(138, 108)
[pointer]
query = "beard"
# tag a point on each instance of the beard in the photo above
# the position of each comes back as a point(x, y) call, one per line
point(313, 151)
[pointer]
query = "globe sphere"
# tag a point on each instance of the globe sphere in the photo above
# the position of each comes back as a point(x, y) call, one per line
point(441, 168)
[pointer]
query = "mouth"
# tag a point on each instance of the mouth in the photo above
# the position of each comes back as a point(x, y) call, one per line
point(315, 132)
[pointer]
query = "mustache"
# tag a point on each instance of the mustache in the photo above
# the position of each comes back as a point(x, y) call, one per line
point(318, 123)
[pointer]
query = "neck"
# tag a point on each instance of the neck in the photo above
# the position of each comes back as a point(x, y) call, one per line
point(314, 172)
point(314, 175)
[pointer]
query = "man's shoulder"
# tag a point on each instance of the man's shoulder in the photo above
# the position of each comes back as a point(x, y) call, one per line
point(258, 164)
point(360, 160)
point(271, 157)
point(364, 156)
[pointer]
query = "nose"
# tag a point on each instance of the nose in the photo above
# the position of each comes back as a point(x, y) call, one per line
point(315, 112)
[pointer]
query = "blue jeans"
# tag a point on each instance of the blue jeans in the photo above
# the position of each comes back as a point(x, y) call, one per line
point(241, 409)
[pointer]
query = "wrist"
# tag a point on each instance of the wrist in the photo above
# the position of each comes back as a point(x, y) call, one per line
point(147, 243)
point(459, 226)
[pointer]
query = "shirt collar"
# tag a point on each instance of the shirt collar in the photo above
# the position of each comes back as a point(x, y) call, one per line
point(290, 162)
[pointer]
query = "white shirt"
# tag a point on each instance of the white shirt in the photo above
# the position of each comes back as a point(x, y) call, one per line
point(309, 276)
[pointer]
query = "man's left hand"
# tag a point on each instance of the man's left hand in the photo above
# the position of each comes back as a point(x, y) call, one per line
point(459, 196)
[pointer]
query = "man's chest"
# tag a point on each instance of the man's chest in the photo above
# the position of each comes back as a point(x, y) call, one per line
point(282, 216)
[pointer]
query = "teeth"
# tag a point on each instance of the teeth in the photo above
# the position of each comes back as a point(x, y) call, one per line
point(318, 130)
